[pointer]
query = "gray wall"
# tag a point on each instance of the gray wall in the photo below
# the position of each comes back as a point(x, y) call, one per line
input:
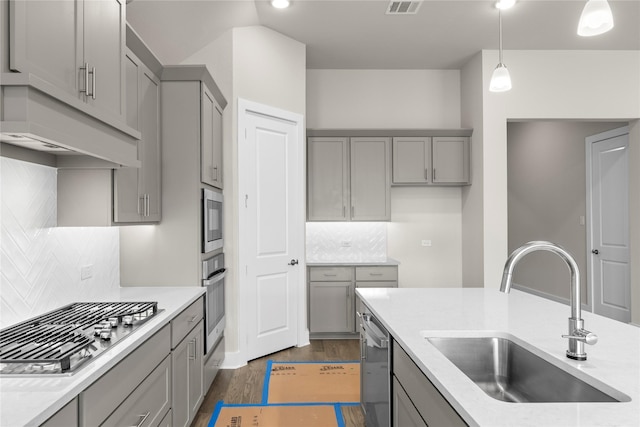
point(547, 198)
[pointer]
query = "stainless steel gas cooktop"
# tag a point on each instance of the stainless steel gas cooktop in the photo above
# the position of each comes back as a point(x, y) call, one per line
point(61, 341)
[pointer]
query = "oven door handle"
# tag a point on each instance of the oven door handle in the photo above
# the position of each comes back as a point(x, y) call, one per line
point(213, 280)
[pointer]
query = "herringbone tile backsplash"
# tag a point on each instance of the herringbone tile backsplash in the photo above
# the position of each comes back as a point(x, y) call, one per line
point(346, 242)
point(39, 262)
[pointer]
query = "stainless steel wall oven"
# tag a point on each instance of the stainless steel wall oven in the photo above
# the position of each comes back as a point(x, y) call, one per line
point(213, 274)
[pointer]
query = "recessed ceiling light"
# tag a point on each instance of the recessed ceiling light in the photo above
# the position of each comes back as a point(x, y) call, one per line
point(280, 4)
point(505, 4)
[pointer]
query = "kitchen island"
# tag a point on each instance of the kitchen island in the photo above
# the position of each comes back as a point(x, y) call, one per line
point(612, 364)
point(30, 401)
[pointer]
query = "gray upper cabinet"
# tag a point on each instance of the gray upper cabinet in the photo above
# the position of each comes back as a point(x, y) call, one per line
point(370, 179)
point(328, 179)
point(450, 160)
point(211, 169)
point(431, 161)
point(349, 179)
point(137, 191)
point(76, 46)
point(411, 160)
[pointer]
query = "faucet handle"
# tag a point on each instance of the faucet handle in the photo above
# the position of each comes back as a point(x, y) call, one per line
point(583, 335)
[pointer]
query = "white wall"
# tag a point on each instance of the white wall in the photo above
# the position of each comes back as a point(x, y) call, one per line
point(259, 65)
point(402, 99)
point(41, 263)
point(588, 85)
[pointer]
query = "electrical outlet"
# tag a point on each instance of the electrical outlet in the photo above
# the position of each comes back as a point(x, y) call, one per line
point(86, 272)
point(345, 243)
point(426, 243)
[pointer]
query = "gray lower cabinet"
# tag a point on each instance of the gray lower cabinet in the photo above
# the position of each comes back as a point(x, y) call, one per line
point(331, 307)
point(138, 387)
point(332, 301)
point(404, 413)
point(414, 397)
point(188, 373)
point(431, 161)
point(65, 417)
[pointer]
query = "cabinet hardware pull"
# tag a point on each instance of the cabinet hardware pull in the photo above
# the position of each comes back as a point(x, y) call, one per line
point(329, 275)
point(85, 67)
point(147, 205)
point(193, 319)
point(434, 174)
point(144, 418)
point(215, 177)
point(344, 211)
point(93, 82)
point(192, 356)
point(353, 212)
point(141, 205)
point(375, 274)
point(426, 174)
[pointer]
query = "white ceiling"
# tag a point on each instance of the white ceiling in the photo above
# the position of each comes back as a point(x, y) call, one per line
point(357, 34)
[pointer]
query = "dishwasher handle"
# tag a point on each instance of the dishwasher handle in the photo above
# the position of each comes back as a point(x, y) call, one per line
point(372, 332)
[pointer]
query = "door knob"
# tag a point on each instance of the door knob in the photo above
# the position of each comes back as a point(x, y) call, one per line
point(595, 252)
point(293, 262)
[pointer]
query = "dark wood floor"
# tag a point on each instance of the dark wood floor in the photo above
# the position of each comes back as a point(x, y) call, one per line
point(244, 385)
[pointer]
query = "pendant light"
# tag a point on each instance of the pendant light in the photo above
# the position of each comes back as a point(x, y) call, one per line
point(596, 18)
point(500, 79)
point(280, 4)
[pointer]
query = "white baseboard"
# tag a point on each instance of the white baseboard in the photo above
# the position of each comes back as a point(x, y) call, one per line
point(233, 360)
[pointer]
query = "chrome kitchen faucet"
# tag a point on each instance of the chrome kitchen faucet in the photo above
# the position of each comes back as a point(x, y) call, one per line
point(577, 336)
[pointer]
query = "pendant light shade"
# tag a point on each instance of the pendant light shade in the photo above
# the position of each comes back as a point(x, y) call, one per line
point(500, 79)
point(280, 4)
point(596, 18)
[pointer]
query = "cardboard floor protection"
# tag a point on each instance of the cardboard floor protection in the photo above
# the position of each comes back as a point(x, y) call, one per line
point(330, 382)
point(276, 416)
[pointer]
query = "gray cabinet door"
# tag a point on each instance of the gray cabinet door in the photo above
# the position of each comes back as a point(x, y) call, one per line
point(450, 160)
point(404, 413)
point(103, 50)
point(331, 307)
point(370, 177)
point(65, 417)
point(211, 143)
point(137, 191)
point(43, 41)
point(328, 179)
point(411, 160)
point(187, 377)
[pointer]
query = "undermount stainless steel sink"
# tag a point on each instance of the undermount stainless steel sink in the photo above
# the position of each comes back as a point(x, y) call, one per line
point(506, 371)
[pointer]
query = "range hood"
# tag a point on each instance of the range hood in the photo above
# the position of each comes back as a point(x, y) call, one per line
point(60, 130)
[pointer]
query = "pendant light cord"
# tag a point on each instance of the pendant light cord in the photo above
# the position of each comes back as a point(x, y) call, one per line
point(500, 32)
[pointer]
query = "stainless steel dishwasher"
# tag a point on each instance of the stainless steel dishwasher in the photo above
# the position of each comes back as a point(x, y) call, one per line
point(375, 388)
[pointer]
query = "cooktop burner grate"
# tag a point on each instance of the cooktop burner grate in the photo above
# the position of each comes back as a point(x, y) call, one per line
point(56, 339)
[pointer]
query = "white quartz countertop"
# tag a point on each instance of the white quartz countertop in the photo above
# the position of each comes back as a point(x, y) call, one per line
point(29, 401)
point(536, 323)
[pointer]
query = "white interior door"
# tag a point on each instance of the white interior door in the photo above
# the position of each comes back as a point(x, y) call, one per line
point(610, 275)
point(271, 229)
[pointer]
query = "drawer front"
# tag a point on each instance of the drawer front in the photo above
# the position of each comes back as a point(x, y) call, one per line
point(103, 396)
point(65, 417)
point(377, 273)
point(184, 322)
point(388, 284)
point(149, 403)
point(425, 397)
point(330, 274)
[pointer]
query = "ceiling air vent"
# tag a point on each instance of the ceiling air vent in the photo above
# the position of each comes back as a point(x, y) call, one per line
point(403, 7)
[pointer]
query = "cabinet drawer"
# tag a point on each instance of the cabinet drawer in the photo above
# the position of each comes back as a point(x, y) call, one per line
point(425, 397)
point(65, 417)
point(184, 322)
point(106, 394)
point(377, 273)
point(149, 402)
point(330, 274)
point(381, 284)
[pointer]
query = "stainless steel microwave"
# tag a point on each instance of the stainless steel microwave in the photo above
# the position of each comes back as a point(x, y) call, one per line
point(211, 220)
